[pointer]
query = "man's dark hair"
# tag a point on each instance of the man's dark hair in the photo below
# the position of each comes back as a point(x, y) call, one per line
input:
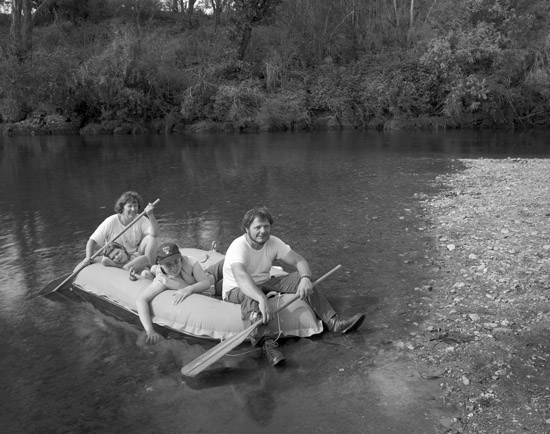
point(128, 197)
point(262, 213)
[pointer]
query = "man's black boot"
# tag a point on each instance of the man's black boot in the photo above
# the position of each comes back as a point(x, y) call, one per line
point(272, 352)
point(340, 324)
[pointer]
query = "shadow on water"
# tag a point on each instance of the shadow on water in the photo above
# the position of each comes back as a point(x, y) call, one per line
point(220, 376)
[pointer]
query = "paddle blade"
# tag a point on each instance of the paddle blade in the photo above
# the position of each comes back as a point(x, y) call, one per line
point(216, 353)
point(56, 284)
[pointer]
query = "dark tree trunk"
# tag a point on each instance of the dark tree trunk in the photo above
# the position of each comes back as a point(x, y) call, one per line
point(22, 25)
point(21, 28)
point(245, 40)
point(190, 7)
point(217, 7)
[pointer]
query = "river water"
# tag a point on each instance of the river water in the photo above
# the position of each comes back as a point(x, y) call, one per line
point(67, 366)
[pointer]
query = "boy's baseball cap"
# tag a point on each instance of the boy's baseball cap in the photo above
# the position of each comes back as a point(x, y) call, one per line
point(168, 252)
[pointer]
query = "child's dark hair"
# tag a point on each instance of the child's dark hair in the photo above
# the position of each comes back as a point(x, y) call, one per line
point(113, 246)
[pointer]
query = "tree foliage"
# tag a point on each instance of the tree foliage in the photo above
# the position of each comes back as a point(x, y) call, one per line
point(281, 64)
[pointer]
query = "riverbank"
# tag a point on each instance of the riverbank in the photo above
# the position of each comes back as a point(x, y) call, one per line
point(486, 312)
point(40, 124)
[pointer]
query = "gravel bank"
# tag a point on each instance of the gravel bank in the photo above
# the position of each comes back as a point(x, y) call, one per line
point(485, 336)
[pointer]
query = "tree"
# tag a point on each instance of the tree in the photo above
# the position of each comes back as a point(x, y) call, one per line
point(22, 25)
point(177, 5)
point(21, 28)
point(217, 6)
point(190, 7)
point(249, 14)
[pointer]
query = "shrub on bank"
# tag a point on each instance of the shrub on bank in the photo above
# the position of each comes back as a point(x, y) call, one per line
point(179, 74)
point(285, 111)
point(41, 83)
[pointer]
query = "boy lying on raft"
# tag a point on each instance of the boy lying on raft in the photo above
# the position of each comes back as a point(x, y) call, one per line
point(183, 274)
point(115, 255)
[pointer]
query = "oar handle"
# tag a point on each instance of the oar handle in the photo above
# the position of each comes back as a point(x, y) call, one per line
point(296, 297)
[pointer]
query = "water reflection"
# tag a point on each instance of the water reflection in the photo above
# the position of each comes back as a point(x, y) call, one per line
point(221, 376)
point(253, 388)
point(345, 198)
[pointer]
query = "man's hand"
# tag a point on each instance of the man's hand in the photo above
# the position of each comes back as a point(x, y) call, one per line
point(305, 288)
point(265, 310)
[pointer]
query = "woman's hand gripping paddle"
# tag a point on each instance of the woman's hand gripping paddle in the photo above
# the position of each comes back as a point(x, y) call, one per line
point(214, 354)
point(60, 282)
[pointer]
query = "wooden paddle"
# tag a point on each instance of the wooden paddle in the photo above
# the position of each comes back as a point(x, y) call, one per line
point(60, 282)
point(214, 354)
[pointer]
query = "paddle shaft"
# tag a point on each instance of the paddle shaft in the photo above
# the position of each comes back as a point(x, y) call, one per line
point(214, 354)
point(100, 251)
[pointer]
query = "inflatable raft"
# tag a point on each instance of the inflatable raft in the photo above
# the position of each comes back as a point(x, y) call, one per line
point(198, 315)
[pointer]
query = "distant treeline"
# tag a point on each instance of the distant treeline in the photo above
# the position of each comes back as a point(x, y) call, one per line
point(161, 66)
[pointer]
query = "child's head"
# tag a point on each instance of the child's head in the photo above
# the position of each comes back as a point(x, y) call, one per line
point(116, 253)
point(169, 257)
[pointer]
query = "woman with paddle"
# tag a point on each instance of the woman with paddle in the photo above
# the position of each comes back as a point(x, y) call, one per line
point(145, 243)
point(140, 239)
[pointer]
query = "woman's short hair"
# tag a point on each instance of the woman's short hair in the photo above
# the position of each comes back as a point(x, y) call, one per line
point(128, 197)
point(262, 213)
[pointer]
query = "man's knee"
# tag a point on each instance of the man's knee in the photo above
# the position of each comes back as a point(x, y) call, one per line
point(286, 284)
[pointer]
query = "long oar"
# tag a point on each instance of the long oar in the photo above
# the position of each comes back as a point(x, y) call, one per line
point(214, 354)
point(60, 282)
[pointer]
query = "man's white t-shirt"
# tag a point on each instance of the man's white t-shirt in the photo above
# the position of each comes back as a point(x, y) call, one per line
point(256, 262)
point(111, 227)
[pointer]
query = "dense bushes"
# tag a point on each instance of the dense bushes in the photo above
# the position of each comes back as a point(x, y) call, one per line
point(303, 70)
